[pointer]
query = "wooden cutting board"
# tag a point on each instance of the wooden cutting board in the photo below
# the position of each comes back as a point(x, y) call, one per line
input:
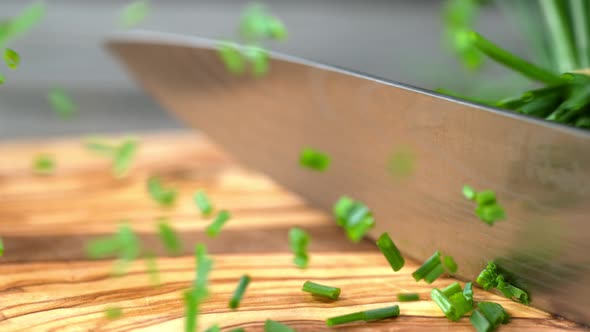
point(47, 283)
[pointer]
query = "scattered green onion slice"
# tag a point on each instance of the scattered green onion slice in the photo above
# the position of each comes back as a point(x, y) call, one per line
point(451, 301)
point(44, 164)
point(232, 58)
point(169, 237)
point(194, 296)
point(368, 315)
point(408, 297)
point(468, 291)
point(490, 213)
point(274, 326)
point(258, 58)
point(2, 79)
point(298, 241)
point(485, 197)
point(239, 292)
point(113, 312)
point(450, 264)
point(20, 24)
point(215, 227)
point(469, 193)
point(11, 58)
point(354, 217)
point(203, 202)
point(430, 270)
point(488, 316)
point(134, 13)
point(164, 196)
point(314, 159)
point(191, 309)
point(321, 290)
point(390, 251)
point(61, 102)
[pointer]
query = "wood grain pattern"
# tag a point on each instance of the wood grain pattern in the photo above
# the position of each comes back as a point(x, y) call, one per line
point(46, 284)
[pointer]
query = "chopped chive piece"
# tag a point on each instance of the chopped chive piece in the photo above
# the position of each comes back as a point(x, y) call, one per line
point(239, 292)
point(1, 247)
point(113, 312)
point(152, 268)
point(62, 104)
point(203, 203)
point(20, 24)
point(215, 227)
point(490, 278)
point(468, 291)
point(298, 241)
point(450, 264)
point(124, 244)
point(354, 217)
point(485, 197)
point(390, 252)
point(341, 209)
point(194, 296)
point(11, 58)
point(487, 277)
point(191, 309)
point(408, 297)
point(321, 290)
point(451, 301)
point(368, 315)
point(214, 328)
point(468, 192)
point(164, 196)
point(558, 23)
point(274, 326)
point(102, 248)
point(430, 270)
point(314, 159)
point(488, 317)
point(2, 79)
point(169, 237)
point(258, 58)
point(451, 289)
point(134, 13)
point(123, 157)
point(512, 61)
point(232, 58)
point(44, 164)
point(256, 24)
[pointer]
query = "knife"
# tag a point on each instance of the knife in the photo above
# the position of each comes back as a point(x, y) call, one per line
point(539, 170)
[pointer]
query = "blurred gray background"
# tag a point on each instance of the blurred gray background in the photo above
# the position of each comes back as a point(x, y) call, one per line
point(398, 40)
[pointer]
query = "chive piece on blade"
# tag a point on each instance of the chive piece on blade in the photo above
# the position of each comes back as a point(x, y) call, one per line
point(408, 297)
point(432, 267)
point(234, 303)
point(480, 323)
point(321, 290)
point(169, 237)
point(512, 61)
point(314, 159)
point(62, 104)
point(344, 319)
point(162, 195)
point(11, 58)
point(215, 227)
point(203, 202)
point(113, 312)
point(485, 197)
point(44, 164)
point(274, 326)
point(390, 251)
point(488, 316)
point(134, 13)
point(512, 292)
point(450, 264)
point(298, 241)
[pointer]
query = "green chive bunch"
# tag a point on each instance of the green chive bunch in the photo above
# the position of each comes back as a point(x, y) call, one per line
point(490, 278)
point(256, 26)
point(354, 216)
point(488, 210)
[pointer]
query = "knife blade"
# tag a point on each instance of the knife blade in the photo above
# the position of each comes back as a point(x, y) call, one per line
point(539, 170)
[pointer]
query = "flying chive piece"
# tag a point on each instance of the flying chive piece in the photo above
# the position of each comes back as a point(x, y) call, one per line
point(214, 328)
point(23, 22)
point(134, 13)
point(162, 195)
point(44, 164)
point(113, 312)
point(215, 227)
point(11, 58)
point(408, 297)
point(488, 316)
point(234, 303)
point(314, 159)
point(451, 301)
point(354, 217)
point(274, 326)
point(123, 157)
point(485, 197)
point(469, 192)
point(62, 104)
point(152, 269)
point(459, 17)
point(488, 210)
point(232, 58)
point(1, 247)
point(450, 264)
point(390, 251)
point(258, 58)
point(368, 315)
point(468, 291)
point(298, 241)
point(203, 202)
point(257, 24)
point(430, 270)
point(512, 61)
point(169, 237)
point(320, 290)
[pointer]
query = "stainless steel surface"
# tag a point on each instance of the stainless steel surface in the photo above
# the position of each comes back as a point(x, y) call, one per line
point(540, 171)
